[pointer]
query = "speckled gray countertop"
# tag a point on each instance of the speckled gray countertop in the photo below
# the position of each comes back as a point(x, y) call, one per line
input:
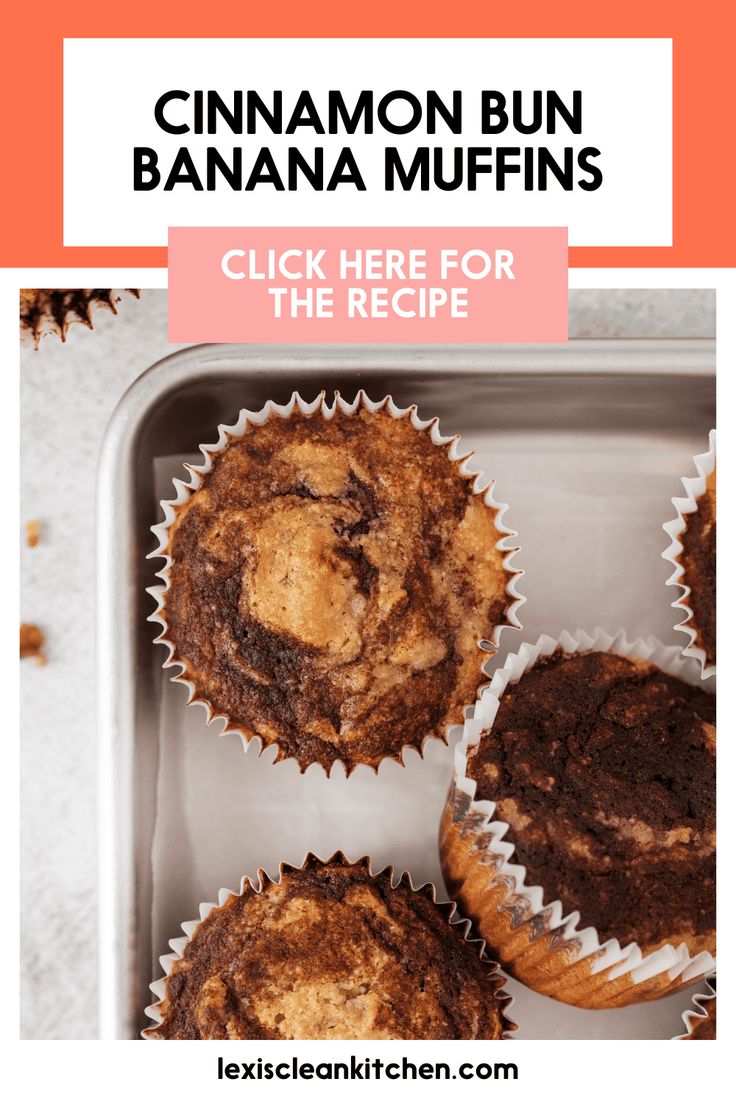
point(68, 393)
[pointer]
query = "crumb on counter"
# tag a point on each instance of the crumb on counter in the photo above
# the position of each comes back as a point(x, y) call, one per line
point(33, 533)
point(31, 643)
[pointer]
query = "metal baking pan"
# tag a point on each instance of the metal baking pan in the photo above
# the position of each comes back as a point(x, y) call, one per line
point(587, 442)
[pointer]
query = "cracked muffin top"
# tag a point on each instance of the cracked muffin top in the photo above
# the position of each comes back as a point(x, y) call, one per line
point(604, 769)
point(330, 582)
point(331, 952)
point(698, 558)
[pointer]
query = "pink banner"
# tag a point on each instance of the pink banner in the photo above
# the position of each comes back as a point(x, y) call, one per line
point(368, 284)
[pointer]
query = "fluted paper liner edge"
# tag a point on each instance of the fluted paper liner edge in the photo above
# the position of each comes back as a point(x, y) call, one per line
point(701, 1009)
point(694, 486)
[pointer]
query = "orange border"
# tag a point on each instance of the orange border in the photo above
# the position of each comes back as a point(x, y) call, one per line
point(31, 84)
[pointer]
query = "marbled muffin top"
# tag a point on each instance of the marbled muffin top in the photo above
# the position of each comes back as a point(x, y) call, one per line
point(698, 558)
point(604, 768)
point(330, 583)
point(331, 953)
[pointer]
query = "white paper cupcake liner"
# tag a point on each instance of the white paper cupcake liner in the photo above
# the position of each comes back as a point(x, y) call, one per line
point(702, 1008)
point(320, 406)
point(694, 486)
point(541, 945)
point(178, 946)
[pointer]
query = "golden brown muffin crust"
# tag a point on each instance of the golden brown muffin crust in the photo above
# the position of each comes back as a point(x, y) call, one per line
point(331, 952)
point(330, 583)
point(604, 768)
point(698, 558)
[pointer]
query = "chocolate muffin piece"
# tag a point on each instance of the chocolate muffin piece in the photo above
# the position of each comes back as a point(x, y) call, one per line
point(604, 768)
point(330, 582)
point(330, 952)
point(698, 558)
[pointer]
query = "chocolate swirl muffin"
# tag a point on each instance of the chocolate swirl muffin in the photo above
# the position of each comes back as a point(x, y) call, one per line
point(330, 581)
point(698, 559)
point(53, 310)
point(604, 768)
point(331, 952)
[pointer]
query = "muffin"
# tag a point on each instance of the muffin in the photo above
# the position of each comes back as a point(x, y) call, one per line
point(329, 579)
point(693, 555)
point(330, 952)
point(52, 310)
point(602, 766)
point(701, 1024)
